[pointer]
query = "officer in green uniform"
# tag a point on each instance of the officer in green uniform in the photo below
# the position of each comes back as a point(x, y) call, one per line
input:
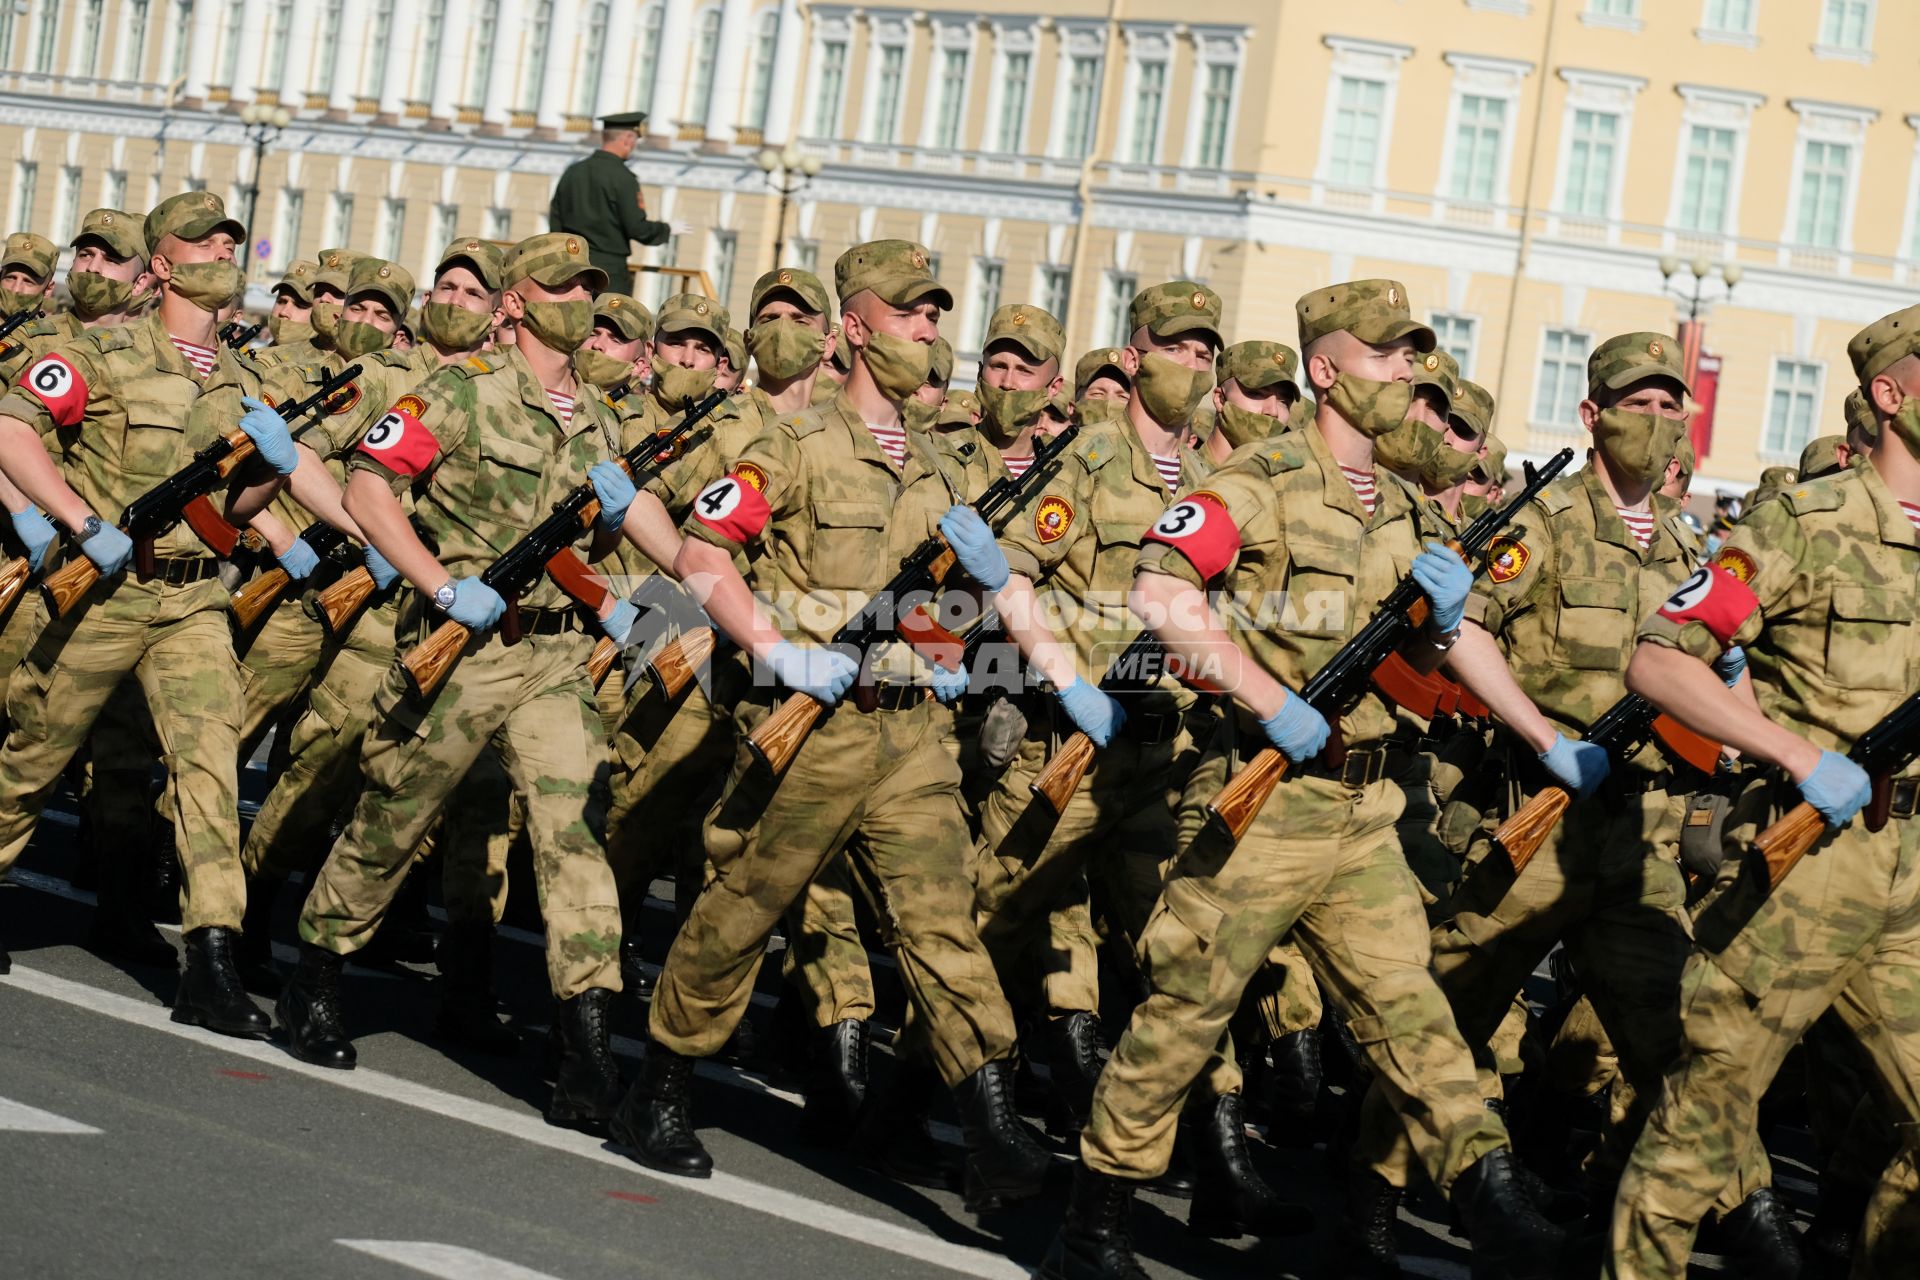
point(599, 199)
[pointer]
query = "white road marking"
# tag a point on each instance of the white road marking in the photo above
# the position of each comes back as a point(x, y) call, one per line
point(18, 1117)
point(529, 1127)
point(449, 1261)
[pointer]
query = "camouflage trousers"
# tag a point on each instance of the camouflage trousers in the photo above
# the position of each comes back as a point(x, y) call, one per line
point(175, 642)
point(1841, 931)
point(826, 959)
point(276, 670)
point(533, 703)
point(884, 787)
point(16, 636)
point(1320, 861)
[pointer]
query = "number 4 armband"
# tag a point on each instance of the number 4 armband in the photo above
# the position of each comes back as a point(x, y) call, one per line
point(1199, 528)
point(733, 505)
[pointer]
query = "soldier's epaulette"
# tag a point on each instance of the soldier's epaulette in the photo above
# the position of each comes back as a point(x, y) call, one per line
point(1412, 491)
point(388, 357)
point(1826, 493)
point(1279, 454)
point(1098, 447)
point(805, 423)
point(1556, 497)
point(474, 365)
point(114, 337)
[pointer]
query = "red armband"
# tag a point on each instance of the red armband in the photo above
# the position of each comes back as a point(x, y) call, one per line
point(59, 386)
point(1200, 529)
point(1716, 598)
point(733, 507)
point(399, 441)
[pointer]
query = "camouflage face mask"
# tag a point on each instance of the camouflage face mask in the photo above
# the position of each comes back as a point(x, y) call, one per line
point(1170, 392)
point(1638, 445)
point(676, 388)
point(1408, 450)
point(1094, 412)
point(356, 338)
point(94, 295)
point(452, 328)
point(560, 326)
point(1374, 408)
point(1008, 413)
point(899, 367)
point(1240, 425)
point(286, 330)
point(1906, 425)
point(1447, 468)
point(785, 349)
point(208, 285)
point(13, 304)
point(326, 318)
point(598, 369)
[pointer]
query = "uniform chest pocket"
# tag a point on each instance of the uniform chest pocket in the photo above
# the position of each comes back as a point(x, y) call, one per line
point(508, 485)
point(849, 543)
point(1321, 579)
point(156, 441)
point(1596, 623)
point(1867, 636)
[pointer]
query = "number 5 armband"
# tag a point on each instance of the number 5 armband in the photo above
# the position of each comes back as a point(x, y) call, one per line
point(1199, 528)
point(733, 506)
point(399, 441)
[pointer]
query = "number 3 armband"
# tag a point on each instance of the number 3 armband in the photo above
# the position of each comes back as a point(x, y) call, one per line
point(733, 506)
point(1199, 528)
point(56, 384)
point(399, 441)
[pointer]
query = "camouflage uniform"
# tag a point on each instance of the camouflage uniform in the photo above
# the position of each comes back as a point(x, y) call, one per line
point(336, 267)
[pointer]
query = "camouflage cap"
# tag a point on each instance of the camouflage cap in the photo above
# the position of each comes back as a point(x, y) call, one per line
point(388, 281)
point(694, 313)
point(1859, 415)
point(191, 215)
point(1374, 311)
point(736, 351)
point(482, 257)
point(962, 409)
point(1688, 460)
point(552, 259)
point(896, 271)
point(1620, 362)
point(1176, 307)
point(1818, 458)
point(1884, 341)
point(34, 252)
point(942, 362)
point(1259, 365)
point(804, 287)
point(336, 267)
point(625, 315)
point(1060, 405)
point(1473, 406)
point(1030, 328)
point(1440, 371)
point(298, 279)
point(1494, 465)
point(1101, 361)
point(117, 229)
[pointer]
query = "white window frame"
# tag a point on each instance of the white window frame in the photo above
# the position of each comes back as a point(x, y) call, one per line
point(1539, 364)
point(130, 39)
point(699, 103)
point(1909, 250)
point(1359, 60)
point(829, 30)
point(1862, 52)
point(1708, 32)
point(1145, 42)
point(1482, 77)
point(1792, 451)
point(980, 310)
point(289, 212)
point(1077, 40)
point(1629, 21)
point(1605, 92)
point(393, 227)
point(723, 261)
point(1010, 37)
point(1043, 274)
point(1472, 324)
point(1715, 109)
point(1833, 123)
point(885, 34)
point(947, 33)
point(1213, 47)
point(339, 218)
point(1114, 305)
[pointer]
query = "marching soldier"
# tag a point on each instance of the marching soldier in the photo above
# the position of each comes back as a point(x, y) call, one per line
point(328, 294)
point(26, 273)
point(1253, 395)
point(599, 200)
point(290, 321)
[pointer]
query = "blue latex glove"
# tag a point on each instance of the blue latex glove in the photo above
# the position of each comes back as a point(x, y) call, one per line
point(949, 686)
point(268, 431)
point(109, 549)
point(1730, 664)
point(476, 606)
point(614, 487)
point(383, 572)
point(1580, 767)
point(299, 560)
point(618, 625)
point(1446, 579)
point(821, 674)
point(1093, 713)
point(37, 533)
point(1297, 730)
point(1837, 787)
point(975, 547)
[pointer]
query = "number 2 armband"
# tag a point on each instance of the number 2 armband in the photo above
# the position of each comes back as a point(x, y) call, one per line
point(1199, 528)
point(1716, 596)
point(733, 505)
point(55, 383)
point(399, 441)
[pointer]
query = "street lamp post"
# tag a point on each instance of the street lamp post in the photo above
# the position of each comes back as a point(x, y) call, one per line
point(264, 123)
point(796, 171)
point(1693, 330)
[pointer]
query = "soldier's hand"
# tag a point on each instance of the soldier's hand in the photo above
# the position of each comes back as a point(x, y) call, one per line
point(1446, 580)
point(618, 625)
point(299, 559)
point(974, 546)
point(1730, 664)
point(476, 606)
point(949, 686)
point(1837, 787)
point(268, 431)
point(1093, 711)
point(36, 533)
point(1297, 730)
point(614, 487)
point(1580, 767)
point(379, 568)
point(821, 674)
point(109, 549)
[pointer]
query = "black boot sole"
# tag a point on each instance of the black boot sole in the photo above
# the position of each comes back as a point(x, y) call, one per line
point(631, 1148)
point(983, 1196)
point(247, 1029)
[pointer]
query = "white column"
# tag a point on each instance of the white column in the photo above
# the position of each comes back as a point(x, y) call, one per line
point(730, 70)
point(253, 46)
point(450, 87)
point(670, 86)
point(298, 73)
point(206, 37)
point(616, 77)
point(783, 100)
point(351, 55)
point(403, 47)
point(563, 63)
point(507, 51)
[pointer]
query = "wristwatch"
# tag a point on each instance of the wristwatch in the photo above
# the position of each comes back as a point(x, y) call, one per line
point(88, 527)
point(443, 596)
point(1442, 640)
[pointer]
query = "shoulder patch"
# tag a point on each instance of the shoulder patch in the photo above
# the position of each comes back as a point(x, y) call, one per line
point(1052, 518)
point(751, 475)
point(344, 399)
point(1737, 564)
point(411, 404)
point(1506, 559)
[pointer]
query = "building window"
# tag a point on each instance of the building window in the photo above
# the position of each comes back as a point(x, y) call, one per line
point(1793, 408)
point(1357, 121)
point(426, 73)
point(649, 61)
point(593, 61)
point(133, 39)
point(113, 192)
point(499, 224)
point(953, 97)
point(804, 253)
point(182, 32)
point(1216, 113)
point(1477, 137)
point(1847, 24)
point(1056, 286)
point(886, 95)
point(1824, 170)
point(933, 265)
point(379, 43)
point(1121, 286)
point(46, 35)
point(286, 235)
point(725, 248)
point(279, 33)
point(1734, 17)
point(230, 41)
point(1454, 335)
point(1589, 190)
point(1562, 384)
point(1083, 104)
point(1016, 70)
point(830, 88)
point(706, 50)
point(485, 40)
point(1707, 180)
point(1149, 98)
point(26, 183)
point(446, 225)
point(661, 286)
point(91, 28)
point(393, 228)
point(539, 46)
point(340, 218)
point(329, 54)
point(1614, 8)
point(986, 300)
point(766, 50)
point(6, 34)
point(66, 209)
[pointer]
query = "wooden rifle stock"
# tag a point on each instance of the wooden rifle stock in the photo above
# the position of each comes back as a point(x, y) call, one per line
point(1787, 841)
point(429, 662)
point(680, 660)
point(63, 588)
point(600, 661)
point(1522, 834)
point(257, 599)
point(779, 737)
point(1061, 777)
point(13, 584)
point(339, 606)
point(1239, 802)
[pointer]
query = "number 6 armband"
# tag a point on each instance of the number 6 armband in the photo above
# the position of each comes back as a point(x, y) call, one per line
point(1200, 528)
point(57, 384)
point(733, 506)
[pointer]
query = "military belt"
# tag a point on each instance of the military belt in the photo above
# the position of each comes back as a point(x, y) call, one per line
point(183, 571)
point(1905, 800)
point(549, 622)
point(1363, 766)
point(1151, 728)
point(896, 697)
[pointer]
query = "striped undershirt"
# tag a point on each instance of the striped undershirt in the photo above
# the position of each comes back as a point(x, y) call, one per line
point(1169, 469)
point(892, 440)
point(201, 358)
point(1639, 524)
point(1017, 467)
point(563, 405)
point(1363, 488)
point(1913, 512)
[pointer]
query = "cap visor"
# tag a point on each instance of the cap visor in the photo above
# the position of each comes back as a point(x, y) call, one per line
point(559, 276)
point(1187, 324)
point(1645, 373)
point(1032, 352)
point(487, 277)
point(1269, 378)
point(33, 268)
point(1393, 331)
point(665, 327)
point(915, 289)
point(805, 303)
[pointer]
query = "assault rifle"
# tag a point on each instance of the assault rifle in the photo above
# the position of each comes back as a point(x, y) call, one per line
point(16, 321)
point(237, 335)
point(183, 496)
point(262, 596)
point(779, 737)
point(1337, 686)
point(546, 550)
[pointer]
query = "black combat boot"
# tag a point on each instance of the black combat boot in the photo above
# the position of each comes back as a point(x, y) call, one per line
point(309, 1010)
point(894, 1136)
point(1074, 1064)
point(586, 1084)
point(836, 1082)
point(1367, 1249)
point(636, 979)
point(1231, 1199)
point(254, 956)
point(1511, 1241)
point(1829, 1243)
point(469, 1016)
point(1005, 1161)
point(121, 930)
point(1097, 1241)
point(654, 1120)
point(210, 993)
point(1758, 1238)
point(1293, 1088)
point(6, 961)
